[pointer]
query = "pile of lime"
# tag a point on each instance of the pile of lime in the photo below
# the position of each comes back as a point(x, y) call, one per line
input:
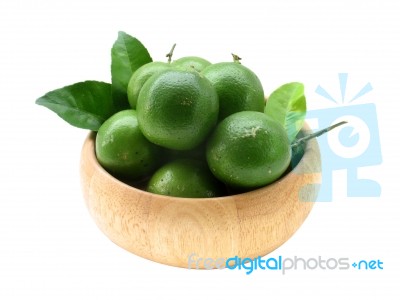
point(185, 127)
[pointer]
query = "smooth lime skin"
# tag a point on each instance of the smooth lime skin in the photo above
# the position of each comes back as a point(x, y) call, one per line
point(177, 109)
point(140, 76)
point(248, 150)
point(191, 62)
point(238, 88)
point(185, 178)
point(122, 149)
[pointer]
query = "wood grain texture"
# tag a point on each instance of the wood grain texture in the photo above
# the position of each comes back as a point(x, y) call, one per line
point(168, 229)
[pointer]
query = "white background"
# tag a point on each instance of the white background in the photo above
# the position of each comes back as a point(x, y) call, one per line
point(49, 246)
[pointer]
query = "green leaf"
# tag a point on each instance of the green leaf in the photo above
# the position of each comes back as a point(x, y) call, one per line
point(287, 105)
point(84, 104)
point(127, 55)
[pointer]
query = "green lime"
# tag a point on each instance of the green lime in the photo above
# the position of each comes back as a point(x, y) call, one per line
point(140, 76)
point(195, 62)
point(177, 109)
point(238, 88)
point(248, 149)
point(122, 149)
point(185, 178)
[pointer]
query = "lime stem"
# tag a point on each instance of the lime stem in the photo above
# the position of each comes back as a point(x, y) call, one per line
point(169, 54)
point(236, 58)
point(306, 138)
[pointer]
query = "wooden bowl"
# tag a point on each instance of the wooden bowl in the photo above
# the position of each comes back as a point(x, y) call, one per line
point(169, 229)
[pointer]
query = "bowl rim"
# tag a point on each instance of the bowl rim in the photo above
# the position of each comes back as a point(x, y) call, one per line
point(91, 139)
